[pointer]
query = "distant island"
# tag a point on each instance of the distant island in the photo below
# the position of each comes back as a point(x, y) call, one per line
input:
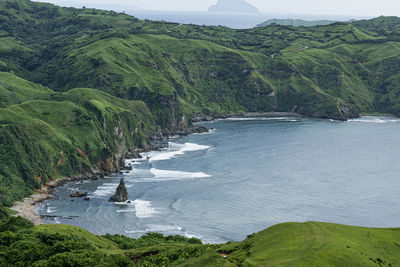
point(233, 6)
point(296, 22)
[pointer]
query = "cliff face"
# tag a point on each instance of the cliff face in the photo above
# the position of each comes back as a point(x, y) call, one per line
point(233, 6)
point(82, 131)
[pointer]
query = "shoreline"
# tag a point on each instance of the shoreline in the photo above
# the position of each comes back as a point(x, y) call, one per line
point(272, 114)
point(27, 207)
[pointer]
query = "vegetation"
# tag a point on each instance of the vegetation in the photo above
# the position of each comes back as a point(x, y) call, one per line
point(79, 88)
point(290, 244)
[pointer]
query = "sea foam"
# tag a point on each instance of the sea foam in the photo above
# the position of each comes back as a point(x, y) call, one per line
point(175, 149)
point(107, 189)
point(143, 209)
point(176, 175)
point(375, 120)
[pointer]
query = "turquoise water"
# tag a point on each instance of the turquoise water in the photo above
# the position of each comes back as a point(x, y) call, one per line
point(247, 175)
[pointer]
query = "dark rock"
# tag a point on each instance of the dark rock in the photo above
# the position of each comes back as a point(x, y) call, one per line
point(348, 112)
point(86, 198)
point(129, 202)
point(129, 168)
point(121, 194)
point(79, 194)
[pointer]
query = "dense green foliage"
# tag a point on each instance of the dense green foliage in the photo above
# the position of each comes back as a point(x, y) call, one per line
point(79, 88)
point(66, 134)
point(149, 78)
point(291, 244)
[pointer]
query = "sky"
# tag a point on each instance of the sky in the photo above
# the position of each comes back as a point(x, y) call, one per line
point(318, 7)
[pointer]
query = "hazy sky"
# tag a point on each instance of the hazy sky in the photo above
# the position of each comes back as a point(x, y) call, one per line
point(322, 7)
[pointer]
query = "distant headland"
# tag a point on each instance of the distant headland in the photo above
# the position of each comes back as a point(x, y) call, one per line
point(233, 6)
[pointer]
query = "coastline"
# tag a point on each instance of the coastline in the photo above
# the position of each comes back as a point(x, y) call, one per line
point(27, 207)
point(272, 114)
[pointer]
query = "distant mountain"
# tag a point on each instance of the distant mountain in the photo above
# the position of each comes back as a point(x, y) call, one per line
point(296, 22)
point(233, 6)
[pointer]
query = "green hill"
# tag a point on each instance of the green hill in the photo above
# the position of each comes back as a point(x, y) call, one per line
point(80, 88)
point(162, 74)
point(290, 244)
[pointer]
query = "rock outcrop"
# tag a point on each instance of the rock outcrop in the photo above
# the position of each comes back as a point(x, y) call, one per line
point(121, 195)
point(79, 194)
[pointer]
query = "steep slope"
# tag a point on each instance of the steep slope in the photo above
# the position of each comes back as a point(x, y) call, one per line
point(140, 60)
point(151, 78)
point(15, 90)
point(80, 131)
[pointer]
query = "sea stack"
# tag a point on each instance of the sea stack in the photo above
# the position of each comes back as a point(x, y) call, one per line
point(121, 195)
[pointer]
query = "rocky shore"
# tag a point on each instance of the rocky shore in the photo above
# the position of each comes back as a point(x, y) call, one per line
point(27, 207)
point(204, 117)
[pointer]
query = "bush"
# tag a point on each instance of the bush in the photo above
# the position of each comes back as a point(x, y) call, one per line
point(15, 223)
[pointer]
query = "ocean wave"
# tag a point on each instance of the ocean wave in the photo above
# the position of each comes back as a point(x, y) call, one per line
point(163, 228)
point(175, 149)
point(51, 210)
point(190, 235)
point(260, 119)
point(375, 120)
point(107, 189)
point(143, 209)
point(126, 211)
point(176, 175)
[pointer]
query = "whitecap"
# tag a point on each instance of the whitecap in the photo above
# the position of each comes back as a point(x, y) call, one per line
point(107, 189)
point(51, 210)
point(258, 119)
point(126, 211)
point(161, 175)
point(143, 209)
point(163, 228)
point(370, 119)
point(189, 235)
point(160, 228)
point(175, 149)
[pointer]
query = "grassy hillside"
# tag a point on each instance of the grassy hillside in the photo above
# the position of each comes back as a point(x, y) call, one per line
point(79, 88)
point(152, 77)
point(62, 134)
point(178, 70)
point(290, 244)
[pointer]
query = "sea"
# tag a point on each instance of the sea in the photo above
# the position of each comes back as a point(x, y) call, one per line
point(246, 175)
point(235, 21)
